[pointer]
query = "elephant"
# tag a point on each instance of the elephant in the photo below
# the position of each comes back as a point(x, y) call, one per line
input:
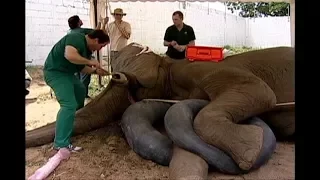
point(228, 107)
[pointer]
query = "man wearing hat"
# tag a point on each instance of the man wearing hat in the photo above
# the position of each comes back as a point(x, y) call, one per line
point(119, 32)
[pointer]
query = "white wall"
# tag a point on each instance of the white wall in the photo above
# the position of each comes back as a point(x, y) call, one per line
point(46, 23)
point(268, 32)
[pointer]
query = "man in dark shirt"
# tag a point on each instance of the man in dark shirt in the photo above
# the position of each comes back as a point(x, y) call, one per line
point(178, 36)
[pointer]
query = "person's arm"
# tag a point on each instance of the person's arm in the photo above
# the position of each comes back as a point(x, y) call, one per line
point(192, 43)
point(72, 55)
point(167, 40)
point(88, 70)
point(74, 46)
point(192, 37)
point(127, 29)
point(123, 31)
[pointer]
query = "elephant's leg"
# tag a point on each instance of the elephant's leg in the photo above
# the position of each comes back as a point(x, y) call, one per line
point(179, 126)
point(217, 123)
point(185, 165)
point(142, 137)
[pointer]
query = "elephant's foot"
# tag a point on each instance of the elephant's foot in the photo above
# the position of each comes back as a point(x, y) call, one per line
point(185, 165)
point(245, 143)
point(242, 142)
point(141, 136)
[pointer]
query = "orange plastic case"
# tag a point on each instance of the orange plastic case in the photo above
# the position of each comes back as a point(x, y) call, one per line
point(204, 53)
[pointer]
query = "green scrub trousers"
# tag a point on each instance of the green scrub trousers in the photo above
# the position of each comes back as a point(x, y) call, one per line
point(70, 93)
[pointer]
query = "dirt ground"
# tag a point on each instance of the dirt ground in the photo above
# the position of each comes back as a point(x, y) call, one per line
point(106, 154)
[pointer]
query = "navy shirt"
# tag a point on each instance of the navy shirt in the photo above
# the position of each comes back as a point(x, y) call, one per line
point(182, 37)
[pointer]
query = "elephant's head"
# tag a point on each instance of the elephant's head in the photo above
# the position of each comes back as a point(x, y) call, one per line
point(147, 73)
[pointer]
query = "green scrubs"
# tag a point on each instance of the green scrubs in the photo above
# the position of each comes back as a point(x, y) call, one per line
point(69, 91)
point(84, 78)
point(81, 30)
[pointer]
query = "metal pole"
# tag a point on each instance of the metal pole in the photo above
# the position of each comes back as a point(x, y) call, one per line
point(292, 21)
point(95, 3)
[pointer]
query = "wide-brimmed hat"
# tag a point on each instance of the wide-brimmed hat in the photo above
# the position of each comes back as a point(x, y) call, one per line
point(118, 11)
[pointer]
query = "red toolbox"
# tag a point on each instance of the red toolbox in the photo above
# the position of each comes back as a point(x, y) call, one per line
point(204, 53)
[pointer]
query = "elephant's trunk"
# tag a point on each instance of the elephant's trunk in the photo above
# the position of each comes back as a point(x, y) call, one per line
point(111, 103)
point(119, 78)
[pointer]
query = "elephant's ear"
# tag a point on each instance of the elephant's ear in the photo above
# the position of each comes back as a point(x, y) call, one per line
point(144, 66)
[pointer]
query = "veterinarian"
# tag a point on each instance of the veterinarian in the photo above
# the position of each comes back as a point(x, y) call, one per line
point(70, 55)
point(119, 32)
point(178, 36)
point(75, 24)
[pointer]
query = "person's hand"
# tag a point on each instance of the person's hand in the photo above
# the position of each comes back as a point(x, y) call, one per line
point(106, 20)
point(101, 19)
point(95, 63)
point(173, 43)
point(102, 72)
point(176, 46)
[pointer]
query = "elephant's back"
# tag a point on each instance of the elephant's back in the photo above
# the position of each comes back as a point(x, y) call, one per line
point(275, 66)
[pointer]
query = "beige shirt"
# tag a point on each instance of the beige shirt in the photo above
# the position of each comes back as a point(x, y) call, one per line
point(118, 41)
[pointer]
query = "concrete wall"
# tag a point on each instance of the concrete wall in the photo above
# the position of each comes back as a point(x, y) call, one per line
point(46, 23)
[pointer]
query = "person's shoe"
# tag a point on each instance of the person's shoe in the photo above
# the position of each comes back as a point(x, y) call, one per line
point(71, 148)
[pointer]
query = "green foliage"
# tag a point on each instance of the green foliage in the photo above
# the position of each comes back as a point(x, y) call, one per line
point(237, 50)
point(94, 88)
point(259, 9)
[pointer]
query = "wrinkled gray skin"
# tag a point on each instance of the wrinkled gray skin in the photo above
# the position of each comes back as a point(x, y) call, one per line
point(239, 87)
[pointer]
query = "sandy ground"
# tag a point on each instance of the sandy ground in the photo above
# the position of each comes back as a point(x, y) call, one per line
point(106, 154)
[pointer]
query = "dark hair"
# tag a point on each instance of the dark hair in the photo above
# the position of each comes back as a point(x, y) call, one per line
point(100, 34)
point(179, 13)
point(73, 22)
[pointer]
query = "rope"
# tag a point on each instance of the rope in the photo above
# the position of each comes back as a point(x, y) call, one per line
point(176, 101)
